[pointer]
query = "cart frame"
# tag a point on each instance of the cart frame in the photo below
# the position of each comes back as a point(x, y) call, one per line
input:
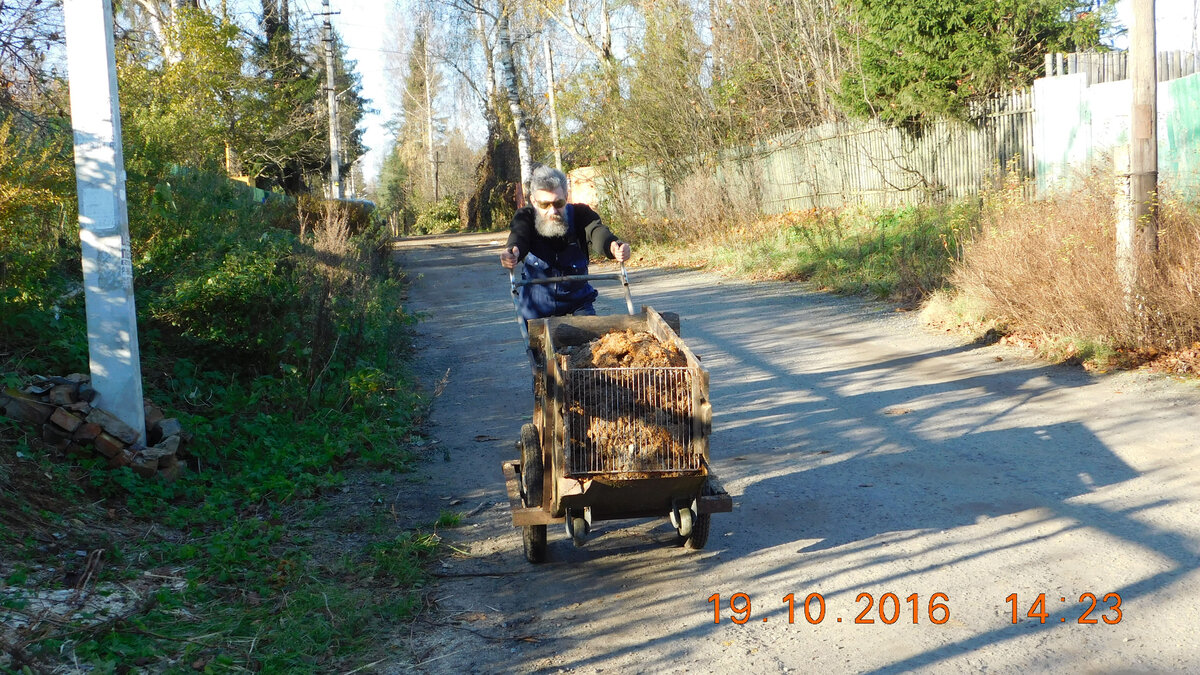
point(541, 489)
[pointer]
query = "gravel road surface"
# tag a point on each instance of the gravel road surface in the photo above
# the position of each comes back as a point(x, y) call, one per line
point(907, 478)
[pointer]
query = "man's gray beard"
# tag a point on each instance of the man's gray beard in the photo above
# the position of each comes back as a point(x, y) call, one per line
point(549, 226)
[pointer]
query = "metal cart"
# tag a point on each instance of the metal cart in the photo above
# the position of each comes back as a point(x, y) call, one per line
point(570, 469)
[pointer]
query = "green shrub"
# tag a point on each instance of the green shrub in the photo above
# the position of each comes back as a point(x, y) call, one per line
point(39, 232)
point(441, 217)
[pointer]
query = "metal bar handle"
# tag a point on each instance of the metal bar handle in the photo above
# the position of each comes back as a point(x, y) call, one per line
point(625, 283)
point(575, 277)
point(623, 277)
point(513, 283)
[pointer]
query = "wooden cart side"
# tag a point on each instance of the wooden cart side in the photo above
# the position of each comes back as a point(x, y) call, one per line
point(701, 413)
point(554, 436)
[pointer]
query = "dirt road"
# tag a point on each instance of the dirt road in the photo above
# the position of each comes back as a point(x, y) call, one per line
point(866, 457)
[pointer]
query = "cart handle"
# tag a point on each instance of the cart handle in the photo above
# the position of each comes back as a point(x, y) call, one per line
point(623, 277)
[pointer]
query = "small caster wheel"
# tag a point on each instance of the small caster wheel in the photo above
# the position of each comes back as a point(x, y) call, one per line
point(699, 535)
point(684, 524)
point(577, 528)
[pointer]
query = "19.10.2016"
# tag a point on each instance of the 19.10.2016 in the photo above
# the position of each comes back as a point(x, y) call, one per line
point(889, 608)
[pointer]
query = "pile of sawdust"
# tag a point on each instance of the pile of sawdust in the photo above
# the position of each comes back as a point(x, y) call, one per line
point(628, 421)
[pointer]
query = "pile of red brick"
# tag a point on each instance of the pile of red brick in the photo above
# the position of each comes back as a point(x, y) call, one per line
point(62, 407)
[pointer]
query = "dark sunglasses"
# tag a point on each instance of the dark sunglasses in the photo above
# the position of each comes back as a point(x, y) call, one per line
point(557, 203)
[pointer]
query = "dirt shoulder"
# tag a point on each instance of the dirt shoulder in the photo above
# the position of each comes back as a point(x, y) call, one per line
point(865, 455)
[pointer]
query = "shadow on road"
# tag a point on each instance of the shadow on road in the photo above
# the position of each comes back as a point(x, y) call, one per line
point(851, 453)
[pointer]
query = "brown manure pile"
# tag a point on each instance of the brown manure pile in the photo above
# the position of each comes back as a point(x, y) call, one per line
point(628, 421)
point(627, 349)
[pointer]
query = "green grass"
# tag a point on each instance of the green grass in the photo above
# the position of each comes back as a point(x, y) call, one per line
point(449, 519)
point(902, 254)
point(281, 405)
point(266, 590)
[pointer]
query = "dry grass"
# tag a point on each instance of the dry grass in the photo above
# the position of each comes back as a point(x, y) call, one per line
point(704, 210)
point(1048, 267)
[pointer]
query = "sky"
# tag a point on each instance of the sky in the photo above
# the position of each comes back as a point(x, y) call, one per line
point(362, 26)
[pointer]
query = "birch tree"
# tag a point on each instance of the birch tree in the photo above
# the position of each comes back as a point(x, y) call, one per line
point(512, 93)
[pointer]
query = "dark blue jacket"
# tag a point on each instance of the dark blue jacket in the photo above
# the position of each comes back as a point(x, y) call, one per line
point(558, 256)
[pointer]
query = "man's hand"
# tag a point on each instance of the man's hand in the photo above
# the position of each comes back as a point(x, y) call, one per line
point(509, 258)
point(620, 251)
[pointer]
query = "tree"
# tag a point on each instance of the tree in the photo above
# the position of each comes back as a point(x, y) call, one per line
point(512, 91)
point(669, 120)
point(418, 127)
point(777, 64)
point(185, 111)
point(29, 29)
point(927, 59)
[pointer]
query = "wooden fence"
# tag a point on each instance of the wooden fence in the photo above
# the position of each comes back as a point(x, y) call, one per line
point(847, 163)
point(1102, 67)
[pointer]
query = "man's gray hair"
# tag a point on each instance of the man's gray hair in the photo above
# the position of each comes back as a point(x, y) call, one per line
point(547, 178)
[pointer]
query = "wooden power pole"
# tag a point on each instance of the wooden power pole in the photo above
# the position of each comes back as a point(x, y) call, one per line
point(1143, 134)
point(114, 357)
point(335, 147)
point(1137, 165)
point(437, 165)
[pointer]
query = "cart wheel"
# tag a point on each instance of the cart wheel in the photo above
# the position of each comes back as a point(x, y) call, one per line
point(699, 536)
point(531, 468)
point(534, 538)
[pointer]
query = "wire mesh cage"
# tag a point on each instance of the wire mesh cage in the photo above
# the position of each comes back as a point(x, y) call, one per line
point(629, 421)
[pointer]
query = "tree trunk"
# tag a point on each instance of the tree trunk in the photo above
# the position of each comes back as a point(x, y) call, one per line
point(553, 105)
point(158, 25)
point(509, 72)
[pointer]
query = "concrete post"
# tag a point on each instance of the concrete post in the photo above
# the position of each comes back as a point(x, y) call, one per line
point(114, 357)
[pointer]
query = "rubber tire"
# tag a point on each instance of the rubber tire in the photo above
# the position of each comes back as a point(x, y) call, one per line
point(534, 538)
point(531, 467)
point(699, 536)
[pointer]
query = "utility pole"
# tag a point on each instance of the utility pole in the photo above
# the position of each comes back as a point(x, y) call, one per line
point(437, 165)
point(335, 149)
point(1143, 135)
point(553, 107)
point(114, 358)
point(1137, 165)
point(429, 151)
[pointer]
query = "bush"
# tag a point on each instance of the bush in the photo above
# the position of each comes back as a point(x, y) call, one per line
point(441, 217)
point(358, 214)
point(1050, 266)
point(39, 231)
